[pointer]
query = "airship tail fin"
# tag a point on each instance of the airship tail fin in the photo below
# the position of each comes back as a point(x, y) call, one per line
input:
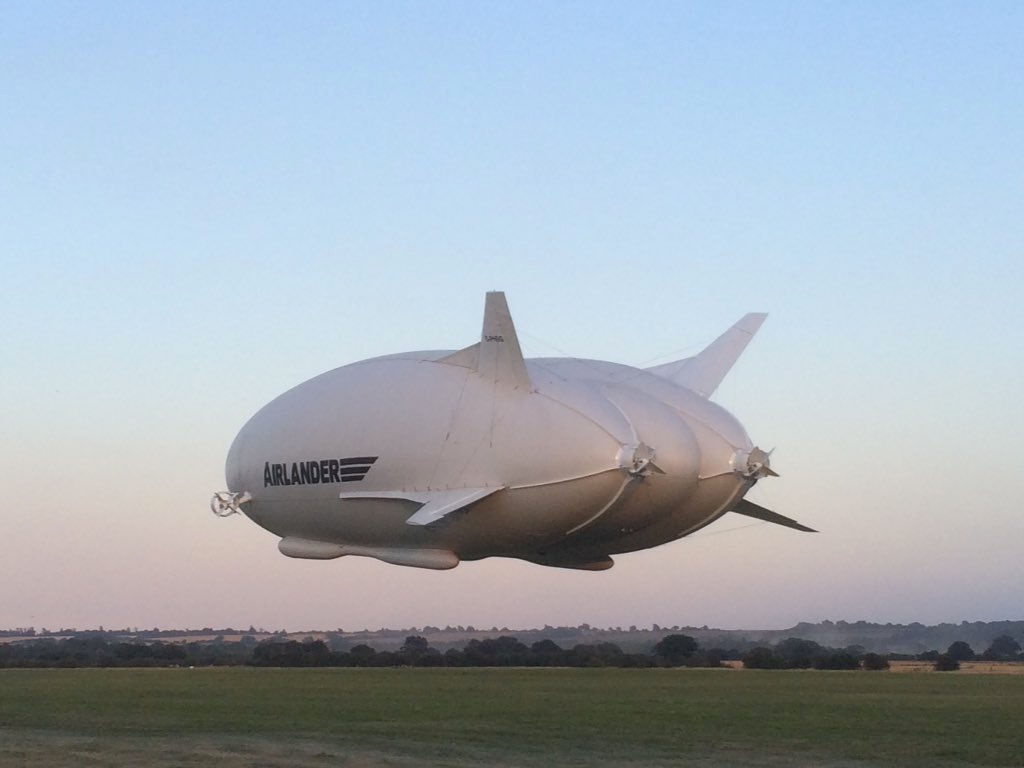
point(497, 355)
point(706, 371)
point(750, 509)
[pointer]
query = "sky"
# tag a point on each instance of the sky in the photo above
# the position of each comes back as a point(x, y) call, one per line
point(204, 204)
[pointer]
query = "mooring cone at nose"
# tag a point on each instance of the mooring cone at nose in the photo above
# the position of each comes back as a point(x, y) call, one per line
point(226, 503)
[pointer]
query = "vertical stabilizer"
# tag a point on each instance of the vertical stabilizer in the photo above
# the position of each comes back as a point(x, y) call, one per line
point(500, 357)
point(706, 371)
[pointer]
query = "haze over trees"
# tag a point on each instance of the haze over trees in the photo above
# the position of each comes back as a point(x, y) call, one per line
point(1003, 648)
point(795, 653)
point(415, 651)
point(673, 650)
point(909, 640)
point(582, 646)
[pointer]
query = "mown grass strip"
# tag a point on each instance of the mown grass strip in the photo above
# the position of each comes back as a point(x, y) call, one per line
point(532, 715)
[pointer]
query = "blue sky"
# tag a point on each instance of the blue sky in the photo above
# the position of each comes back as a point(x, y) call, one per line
point(205, 204)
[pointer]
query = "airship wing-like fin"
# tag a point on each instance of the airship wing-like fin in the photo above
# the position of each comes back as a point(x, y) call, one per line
point(436, 504)
point(706, 371)
point(750, 509)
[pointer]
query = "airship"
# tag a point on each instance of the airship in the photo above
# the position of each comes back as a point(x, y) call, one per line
point(429, 458)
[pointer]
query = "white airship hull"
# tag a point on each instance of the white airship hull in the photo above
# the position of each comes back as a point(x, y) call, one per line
point(429, 458)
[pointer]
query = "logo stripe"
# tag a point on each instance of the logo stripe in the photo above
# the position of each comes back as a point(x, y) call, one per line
point(353, 470)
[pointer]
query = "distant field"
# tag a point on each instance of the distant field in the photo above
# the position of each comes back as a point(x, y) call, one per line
point(968, 667)
point(537, 717)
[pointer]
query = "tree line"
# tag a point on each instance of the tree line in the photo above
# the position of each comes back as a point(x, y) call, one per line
point(503, 651)
point(675, 650)
point(796, 653)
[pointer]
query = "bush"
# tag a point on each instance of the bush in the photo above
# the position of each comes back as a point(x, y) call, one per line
point(798, 653)
point(675, 649)
point(875, 662)
point(946, 663)
point(837, 660)
point(762, 658)
point(709, 658)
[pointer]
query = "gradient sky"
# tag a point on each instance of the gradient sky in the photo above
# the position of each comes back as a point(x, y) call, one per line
point(203, 204)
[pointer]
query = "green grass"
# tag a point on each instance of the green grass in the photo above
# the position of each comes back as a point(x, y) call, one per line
point(540, 717)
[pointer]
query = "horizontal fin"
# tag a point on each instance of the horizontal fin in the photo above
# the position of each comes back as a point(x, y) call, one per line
point(706, 371)
point(750, 509)
point(436, 504)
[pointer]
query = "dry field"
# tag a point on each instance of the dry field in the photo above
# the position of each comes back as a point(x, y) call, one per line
point(966, 667)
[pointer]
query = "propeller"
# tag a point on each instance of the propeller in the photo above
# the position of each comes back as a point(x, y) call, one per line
point(638, 460)
point(754, 464)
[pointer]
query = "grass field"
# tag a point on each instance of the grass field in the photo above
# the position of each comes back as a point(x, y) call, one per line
point(458, 717)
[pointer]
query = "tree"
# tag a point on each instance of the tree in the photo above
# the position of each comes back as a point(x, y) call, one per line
point(946, 663)
point(799, 653)
point(415, 645)
point(546, 653)
point(362, 655)
point(501, 651)
point(598, 655)
point(676, 649)
point(417, 652)
point(762, 658)
point(960, 651)
point(836, 660)
point(875, 662)
point(1003, 648)
point(711, 657)
point(546, 646)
